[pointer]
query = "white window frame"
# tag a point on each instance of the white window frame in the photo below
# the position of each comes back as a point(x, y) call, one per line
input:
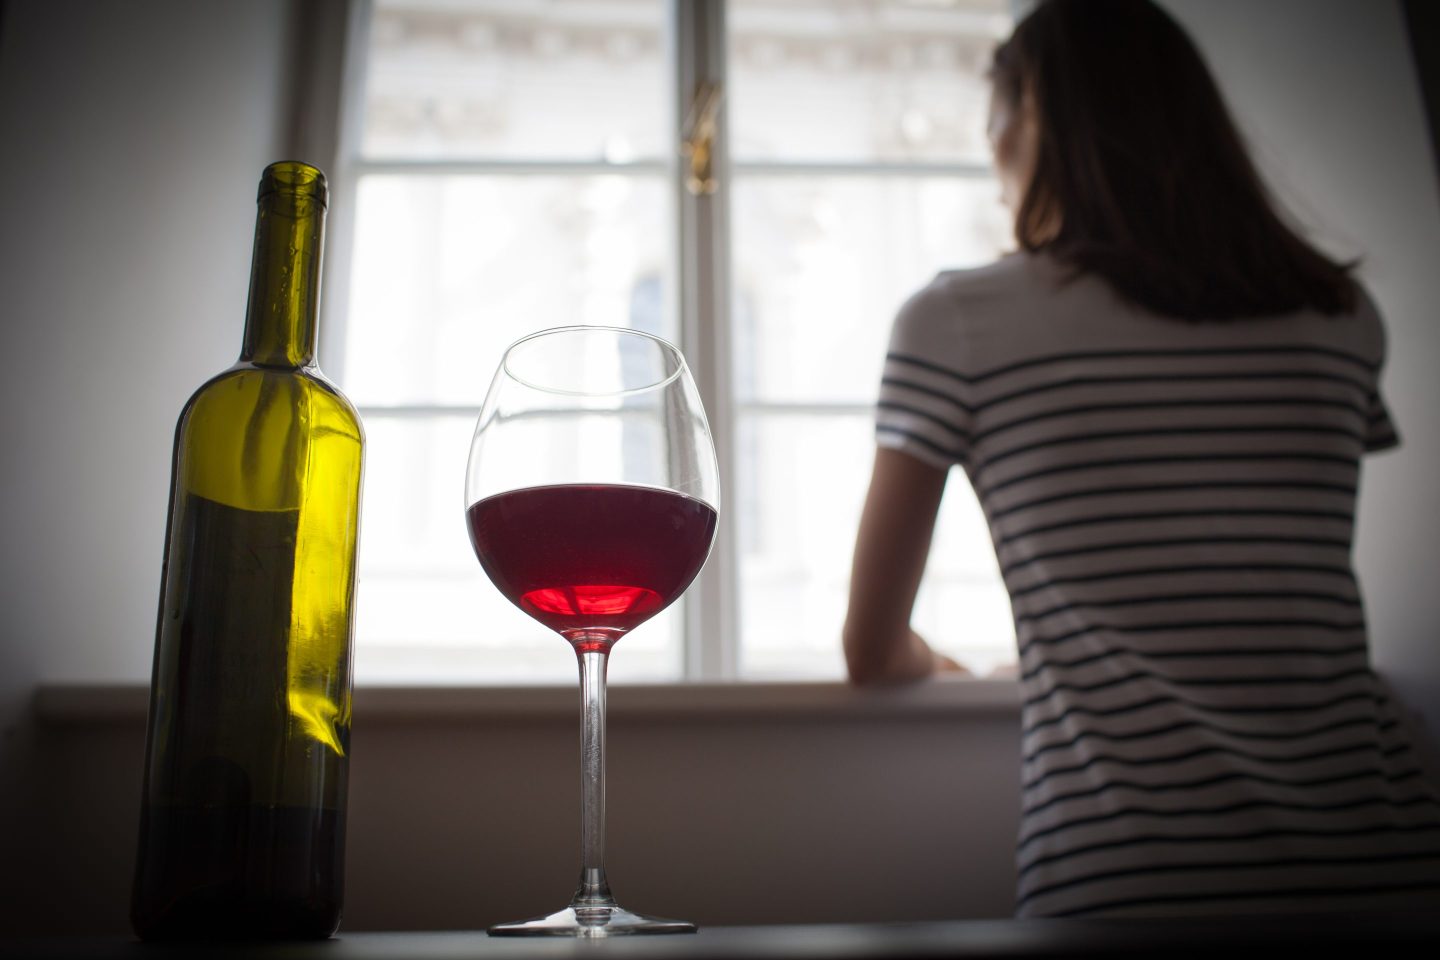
point(696, 48)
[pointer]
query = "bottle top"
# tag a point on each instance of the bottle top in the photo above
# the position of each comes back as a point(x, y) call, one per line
point(294, 179)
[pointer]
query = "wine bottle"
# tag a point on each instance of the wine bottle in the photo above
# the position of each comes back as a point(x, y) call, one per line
point(243, 813)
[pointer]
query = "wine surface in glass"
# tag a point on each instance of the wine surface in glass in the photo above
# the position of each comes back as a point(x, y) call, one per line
point(591, 561)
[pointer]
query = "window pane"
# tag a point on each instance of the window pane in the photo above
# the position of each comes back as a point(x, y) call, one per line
point(798, 507)
point(426, 611)
point(801, 483)
point(963, 608)
point(449, 271)
point(495, 79)
point(821, 264)
point(872, 81)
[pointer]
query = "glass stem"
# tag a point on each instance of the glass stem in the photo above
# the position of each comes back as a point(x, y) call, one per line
point(594, 890)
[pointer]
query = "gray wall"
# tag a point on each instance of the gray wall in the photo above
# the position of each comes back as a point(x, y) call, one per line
point(130, 138)
point(464, 808)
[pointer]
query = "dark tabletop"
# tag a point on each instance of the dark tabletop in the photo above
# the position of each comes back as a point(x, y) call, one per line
point(1368, 937)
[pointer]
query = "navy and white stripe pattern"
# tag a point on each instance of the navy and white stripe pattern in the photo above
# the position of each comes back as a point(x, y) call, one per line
point(1172, 510)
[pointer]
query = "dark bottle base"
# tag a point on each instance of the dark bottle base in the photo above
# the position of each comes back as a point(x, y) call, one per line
point(216, 872)
point(202, 919)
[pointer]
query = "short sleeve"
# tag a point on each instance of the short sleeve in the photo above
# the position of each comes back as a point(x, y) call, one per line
point(1380, 433)
point(923, 408)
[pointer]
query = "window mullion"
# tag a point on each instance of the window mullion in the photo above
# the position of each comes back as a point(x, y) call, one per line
point(711, 650)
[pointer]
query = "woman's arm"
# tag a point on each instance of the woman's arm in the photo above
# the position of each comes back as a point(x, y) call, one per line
point(896, 528)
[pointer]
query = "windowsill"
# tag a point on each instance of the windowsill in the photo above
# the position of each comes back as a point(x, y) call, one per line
point(83, 704)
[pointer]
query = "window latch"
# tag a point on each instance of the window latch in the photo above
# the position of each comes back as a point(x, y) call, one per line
point(697, 138)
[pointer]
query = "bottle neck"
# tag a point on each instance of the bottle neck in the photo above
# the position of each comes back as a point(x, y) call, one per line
point(284, 305)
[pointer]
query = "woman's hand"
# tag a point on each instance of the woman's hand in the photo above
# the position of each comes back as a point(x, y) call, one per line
point(948, 665)
point(909, 661)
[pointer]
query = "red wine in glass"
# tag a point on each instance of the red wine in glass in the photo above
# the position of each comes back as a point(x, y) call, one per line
point(591, 561)
point(591, 494)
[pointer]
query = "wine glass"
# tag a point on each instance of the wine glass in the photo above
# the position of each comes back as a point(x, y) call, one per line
point(591, 497)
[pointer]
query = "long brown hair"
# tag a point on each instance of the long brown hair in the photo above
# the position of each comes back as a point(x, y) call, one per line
point(1141, 176)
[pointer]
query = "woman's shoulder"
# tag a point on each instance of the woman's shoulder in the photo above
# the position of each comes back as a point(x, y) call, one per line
point(973, 292)
point(1004, 311)
point(966, 317)
point(1012, 275)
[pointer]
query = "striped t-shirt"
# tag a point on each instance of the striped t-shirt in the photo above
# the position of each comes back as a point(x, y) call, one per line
point(1171, 506)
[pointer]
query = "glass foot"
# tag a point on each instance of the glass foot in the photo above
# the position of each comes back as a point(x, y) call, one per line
point(590, 922)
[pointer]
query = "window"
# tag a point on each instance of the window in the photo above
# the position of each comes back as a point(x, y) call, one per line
point(514, 165)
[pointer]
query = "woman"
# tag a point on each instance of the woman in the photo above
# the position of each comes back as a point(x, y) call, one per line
point(1162, 402)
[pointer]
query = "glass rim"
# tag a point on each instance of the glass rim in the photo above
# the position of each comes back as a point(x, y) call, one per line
point(680, 368)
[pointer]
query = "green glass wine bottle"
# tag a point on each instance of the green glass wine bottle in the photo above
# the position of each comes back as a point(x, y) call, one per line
point(243, 814)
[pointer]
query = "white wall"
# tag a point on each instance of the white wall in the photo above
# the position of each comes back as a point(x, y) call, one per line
point(131, 136)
